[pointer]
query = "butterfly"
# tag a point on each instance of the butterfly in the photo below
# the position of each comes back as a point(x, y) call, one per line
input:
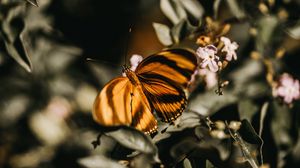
point(157, 83)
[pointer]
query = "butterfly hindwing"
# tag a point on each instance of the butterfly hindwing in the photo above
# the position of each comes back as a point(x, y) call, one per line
point(168, 100)
point(120, 103)
point(142, 117)
point(175, 65)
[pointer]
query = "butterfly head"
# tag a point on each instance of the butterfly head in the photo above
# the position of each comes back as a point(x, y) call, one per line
point(125, 69)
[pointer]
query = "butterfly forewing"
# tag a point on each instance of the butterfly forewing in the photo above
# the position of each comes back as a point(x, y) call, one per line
point(175, 65)
point(120, 103)
point(112, 105)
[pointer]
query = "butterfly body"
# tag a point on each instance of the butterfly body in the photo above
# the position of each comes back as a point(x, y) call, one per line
point(131, 76)
point(157, 84)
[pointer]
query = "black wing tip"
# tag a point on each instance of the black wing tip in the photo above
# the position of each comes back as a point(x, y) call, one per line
point(178, 113)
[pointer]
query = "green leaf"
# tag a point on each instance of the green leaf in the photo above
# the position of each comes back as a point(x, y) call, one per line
point(208, 103)
point(249, 135)
point(33, 2)
point(173, 10)
point(99, 162)
point(143, 160)
point(181, 150)
point(188, 119)
point(247, 109)
point(242, 139)
point(18, 52)
point(187, 163)
point(294, 31)
point(263, 113)
point(183, 29)
point(194, 8)
point(163, 34)
point(266, 27)
point(133, 139)
point(16, 39)
point(179, 31)
point(235, 9)
point(209, 164)
point(216, 8)
point(281, 125)
point(222, 146)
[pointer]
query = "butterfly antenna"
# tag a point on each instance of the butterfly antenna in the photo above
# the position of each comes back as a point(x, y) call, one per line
point(126, 45)
point(100, 61)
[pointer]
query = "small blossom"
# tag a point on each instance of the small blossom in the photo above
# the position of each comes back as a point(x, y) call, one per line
point(134, 62)
point(210, 78)
point(209, 57)
point(287, 88)
point(229, 48)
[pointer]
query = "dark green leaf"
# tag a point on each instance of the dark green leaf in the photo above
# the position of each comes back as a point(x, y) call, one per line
point(133, 139)
point(247, 109)
point(281, 124)
point(249, 135)
point(266, 27)
point(181, 150)
point(222, 146)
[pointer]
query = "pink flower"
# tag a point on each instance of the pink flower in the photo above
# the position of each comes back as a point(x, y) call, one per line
point(134, 62)
point(209, 57)
point(210, 78)
point(229, 48)
point(287, 88)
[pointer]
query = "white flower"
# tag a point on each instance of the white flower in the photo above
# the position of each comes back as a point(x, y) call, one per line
point(287, 88)
point(134, 62)
point(229, 48)
point(210, 78)
point(209, 59)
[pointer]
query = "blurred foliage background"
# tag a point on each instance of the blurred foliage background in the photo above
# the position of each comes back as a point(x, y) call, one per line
point(55, 56)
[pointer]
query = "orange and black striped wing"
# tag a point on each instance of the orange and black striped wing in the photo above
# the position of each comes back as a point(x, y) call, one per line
point(142, 117)
point(166, 98)
point(174, 65)
point(120, 103)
